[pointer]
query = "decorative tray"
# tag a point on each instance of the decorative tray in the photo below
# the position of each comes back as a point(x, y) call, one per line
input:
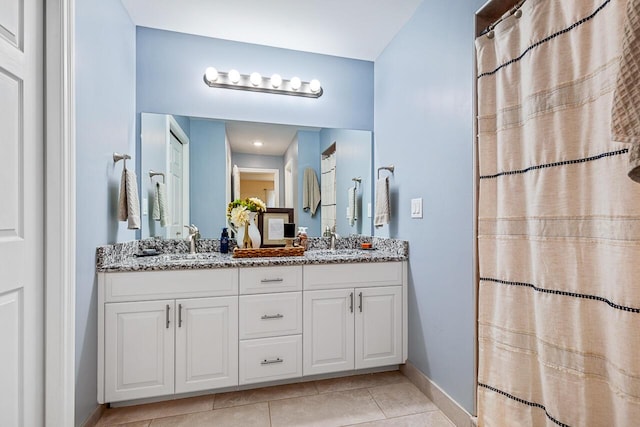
point(268, 252)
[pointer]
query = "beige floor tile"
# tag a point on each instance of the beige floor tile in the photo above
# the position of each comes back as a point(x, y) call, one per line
point(425, 419)
point(360, 381)
point(397, 400)
point(326, 410)
point(128, 414)
point(248, 415)
point(226, 400)
point(144, 423)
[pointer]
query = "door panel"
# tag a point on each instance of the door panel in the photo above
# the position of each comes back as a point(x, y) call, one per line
point(206, 343)
point(378, 327)
point(328, 331)
point(21, 213)
point(175, 186)
point(139, 342)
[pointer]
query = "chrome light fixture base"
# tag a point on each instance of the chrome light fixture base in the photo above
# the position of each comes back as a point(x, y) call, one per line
point(285, 88)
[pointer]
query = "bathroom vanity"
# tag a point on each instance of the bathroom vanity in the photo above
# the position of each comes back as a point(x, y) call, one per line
point(178, 323)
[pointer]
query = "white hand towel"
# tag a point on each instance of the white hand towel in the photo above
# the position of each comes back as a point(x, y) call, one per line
point(128, 205)
point(160, 208)
point(353, 205)
point(235, 176)
point(383, 210)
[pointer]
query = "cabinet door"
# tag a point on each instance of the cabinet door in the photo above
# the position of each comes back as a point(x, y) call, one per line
point(139, 341)
point(328, 331)
point(206, 343)
point(378, 326)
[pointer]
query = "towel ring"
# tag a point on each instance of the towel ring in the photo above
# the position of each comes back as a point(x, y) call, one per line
point(390, 168)
point(357, 180)
point(153, 173)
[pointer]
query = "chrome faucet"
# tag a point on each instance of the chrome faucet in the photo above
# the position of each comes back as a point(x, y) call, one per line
point(192, 238)
point(333, 235)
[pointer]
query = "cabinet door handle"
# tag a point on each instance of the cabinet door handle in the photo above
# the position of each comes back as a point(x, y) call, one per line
point(272, 316)
point(179, 315)
point(272, 280)
point(272, 361)
point(167, 312)
point(360, 306)
point(351, 304)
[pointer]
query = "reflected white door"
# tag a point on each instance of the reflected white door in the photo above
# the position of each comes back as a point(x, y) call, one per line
point(21, 213)
point(176, 183)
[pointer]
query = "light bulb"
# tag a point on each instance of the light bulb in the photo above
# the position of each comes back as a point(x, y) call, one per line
point(314, 85)
point(276, 80)
point(211, 74)
point(257, 143)
point(255, 79)
point(234, 76)
point(296, 83)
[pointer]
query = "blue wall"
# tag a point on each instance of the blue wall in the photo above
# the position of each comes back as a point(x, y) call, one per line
point(423, 125)
point(105, 73)
point(171, 66)
point(207, 174)
point(353, 159)
point(308, 157)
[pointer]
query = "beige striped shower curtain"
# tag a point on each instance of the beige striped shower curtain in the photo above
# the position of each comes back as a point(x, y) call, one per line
point(558, 222)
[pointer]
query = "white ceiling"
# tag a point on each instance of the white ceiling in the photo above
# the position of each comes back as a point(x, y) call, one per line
point(359, 29)
point(275, 138)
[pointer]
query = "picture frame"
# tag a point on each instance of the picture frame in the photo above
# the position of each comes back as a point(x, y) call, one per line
point(284, 214)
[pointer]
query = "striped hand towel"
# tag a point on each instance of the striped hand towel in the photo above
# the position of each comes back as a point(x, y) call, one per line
point(383, 208)
point(160, 208)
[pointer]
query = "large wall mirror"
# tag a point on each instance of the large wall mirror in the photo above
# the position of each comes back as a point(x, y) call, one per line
point(204, 163)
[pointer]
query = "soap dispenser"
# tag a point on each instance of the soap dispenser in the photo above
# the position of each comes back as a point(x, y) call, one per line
point(224, 241)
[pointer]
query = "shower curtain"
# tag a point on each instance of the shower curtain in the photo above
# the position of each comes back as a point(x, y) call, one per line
point(558, 223)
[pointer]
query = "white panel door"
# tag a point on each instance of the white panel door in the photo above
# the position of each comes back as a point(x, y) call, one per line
point(328, 331)
point(174, 188)
point(21, 213)
point(206, 343)
point(139, 343)
point(378, 326)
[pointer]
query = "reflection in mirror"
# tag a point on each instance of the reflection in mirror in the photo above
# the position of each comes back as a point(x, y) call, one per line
point(198, 156)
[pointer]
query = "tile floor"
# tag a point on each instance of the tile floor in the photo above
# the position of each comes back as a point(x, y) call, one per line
point(373, 400)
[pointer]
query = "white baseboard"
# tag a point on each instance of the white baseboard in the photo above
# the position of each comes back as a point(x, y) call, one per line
point(456, 413)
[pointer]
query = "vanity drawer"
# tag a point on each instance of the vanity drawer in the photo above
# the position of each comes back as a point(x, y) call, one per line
point(366, 274)
point(270, 315)
point(151, 285)
point(259, 280)
point(270, 359)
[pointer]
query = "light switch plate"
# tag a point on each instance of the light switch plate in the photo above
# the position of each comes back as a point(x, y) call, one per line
point(145, 207)
point(416, 208)
point(368, 210)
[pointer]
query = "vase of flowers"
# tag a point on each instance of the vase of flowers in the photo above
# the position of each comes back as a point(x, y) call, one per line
point(242, 214)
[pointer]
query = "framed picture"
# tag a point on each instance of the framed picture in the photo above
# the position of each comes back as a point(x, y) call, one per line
point(271, 226)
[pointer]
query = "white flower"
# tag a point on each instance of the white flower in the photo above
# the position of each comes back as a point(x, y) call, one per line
point(259, 203)
point(239, 216)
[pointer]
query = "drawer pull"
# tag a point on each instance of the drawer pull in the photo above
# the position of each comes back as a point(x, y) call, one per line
point(272, 316)
point(272, 280)
point(272, 361)
point(167, 314)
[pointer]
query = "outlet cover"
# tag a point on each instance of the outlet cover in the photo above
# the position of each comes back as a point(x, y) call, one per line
point(416, 208)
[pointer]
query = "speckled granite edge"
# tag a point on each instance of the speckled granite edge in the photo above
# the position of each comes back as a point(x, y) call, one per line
point(123, 256)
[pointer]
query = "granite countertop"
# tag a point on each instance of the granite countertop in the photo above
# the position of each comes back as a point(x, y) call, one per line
point(123, 257)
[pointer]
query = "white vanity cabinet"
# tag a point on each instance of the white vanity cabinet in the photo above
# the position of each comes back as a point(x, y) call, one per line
point(362, 324)
point(155, 340)
point(270, 323)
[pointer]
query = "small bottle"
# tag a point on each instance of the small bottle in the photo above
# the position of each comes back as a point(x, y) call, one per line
point(303, 238)
point(224, 241)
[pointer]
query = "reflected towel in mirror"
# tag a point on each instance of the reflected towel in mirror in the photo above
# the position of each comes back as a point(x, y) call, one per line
point(160, 208)
point(310, 191)
point(353, 205)
point(128, 204)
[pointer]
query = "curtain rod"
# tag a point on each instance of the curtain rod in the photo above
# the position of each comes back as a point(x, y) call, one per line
point(514, 11)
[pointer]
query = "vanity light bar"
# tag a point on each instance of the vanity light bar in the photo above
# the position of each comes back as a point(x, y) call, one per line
point(257, 83)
